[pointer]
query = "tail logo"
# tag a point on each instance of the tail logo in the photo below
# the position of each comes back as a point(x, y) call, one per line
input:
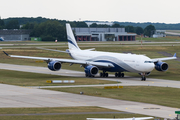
point(70, 41)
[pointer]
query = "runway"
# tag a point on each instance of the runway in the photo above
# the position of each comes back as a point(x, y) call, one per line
point(15, 96)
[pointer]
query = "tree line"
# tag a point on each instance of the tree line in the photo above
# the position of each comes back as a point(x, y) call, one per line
point(147, 31)
point(52, 29)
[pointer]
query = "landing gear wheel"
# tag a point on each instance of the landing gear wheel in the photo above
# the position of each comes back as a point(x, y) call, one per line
point(143, 78)
point(116, 75)
point(119, 74)
point(106, 75)
point(101, 74)
point(122, 75)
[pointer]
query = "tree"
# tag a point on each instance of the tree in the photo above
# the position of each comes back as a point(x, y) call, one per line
point(29, 26)
point(149, 30)
point(1, 23)
point(49, 31)
point(116, 25)
point(139, 30)
point(13, 24)
point(94, 25)
point(129, 28)
point(81, 24)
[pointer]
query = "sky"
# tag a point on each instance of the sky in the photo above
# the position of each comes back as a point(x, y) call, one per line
point(161, 11)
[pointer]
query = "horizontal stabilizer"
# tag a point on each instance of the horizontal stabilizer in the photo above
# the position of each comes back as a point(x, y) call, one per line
point(91, 49)
point(6, 53)
point(52, 50)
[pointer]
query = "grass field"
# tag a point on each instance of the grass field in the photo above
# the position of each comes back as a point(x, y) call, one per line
point(36, 79)
point(162, 39)
point(155, 95)
point(27, 111)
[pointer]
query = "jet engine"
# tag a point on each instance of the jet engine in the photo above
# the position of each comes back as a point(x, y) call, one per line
point(91, 70)
point(161, 66)
point(54, 65)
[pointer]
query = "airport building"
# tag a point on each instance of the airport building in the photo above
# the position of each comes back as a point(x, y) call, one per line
point(17, 35)
point(159, 33)
point(103, 34)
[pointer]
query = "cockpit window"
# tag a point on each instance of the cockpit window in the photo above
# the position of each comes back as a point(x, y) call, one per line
point(148, 61)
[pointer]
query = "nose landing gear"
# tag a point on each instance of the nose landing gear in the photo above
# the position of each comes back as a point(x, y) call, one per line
point(143, 76)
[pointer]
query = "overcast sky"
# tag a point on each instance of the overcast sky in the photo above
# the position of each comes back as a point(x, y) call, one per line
point(162, 11)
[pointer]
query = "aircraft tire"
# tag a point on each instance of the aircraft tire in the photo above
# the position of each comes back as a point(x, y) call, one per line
point(101, 74)
point(122, 75)
point(119, 74)
point(116, 74)
point(106, 74)
point(143, 78)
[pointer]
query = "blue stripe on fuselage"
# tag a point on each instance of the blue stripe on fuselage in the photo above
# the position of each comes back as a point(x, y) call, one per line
point(116, 67)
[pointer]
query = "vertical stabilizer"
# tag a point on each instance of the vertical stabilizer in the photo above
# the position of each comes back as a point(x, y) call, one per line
point(72, 44)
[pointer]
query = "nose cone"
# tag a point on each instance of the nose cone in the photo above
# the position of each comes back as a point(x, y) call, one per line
point(151, 66)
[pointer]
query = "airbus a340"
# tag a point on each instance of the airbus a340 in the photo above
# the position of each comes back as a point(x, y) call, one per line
point(93, 61)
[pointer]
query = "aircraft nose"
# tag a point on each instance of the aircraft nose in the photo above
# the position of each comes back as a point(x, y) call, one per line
point(151, 66)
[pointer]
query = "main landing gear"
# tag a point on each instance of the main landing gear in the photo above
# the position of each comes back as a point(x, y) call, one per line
point(119, 74)
point(103, 74)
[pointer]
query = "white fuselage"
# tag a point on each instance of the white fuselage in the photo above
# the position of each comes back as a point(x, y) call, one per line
point(123, 62)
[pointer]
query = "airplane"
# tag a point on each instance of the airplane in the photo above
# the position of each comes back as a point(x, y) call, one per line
point(140, 118)
point(1, 39)
point(93, 61)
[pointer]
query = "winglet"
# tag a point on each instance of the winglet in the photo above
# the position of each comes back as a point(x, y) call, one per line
point(174, 55)
point(6, 53)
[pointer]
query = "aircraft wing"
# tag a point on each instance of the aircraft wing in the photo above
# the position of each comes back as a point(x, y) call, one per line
point(163, 59)
point(82, 62)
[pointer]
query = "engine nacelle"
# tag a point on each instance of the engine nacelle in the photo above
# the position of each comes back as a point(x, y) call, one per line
point(54, 65)
point(91, 70)
point(161, 66)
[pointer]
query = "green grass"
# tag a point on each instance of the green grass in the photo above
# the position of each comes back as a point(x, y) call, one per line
point(53, 110)
point(70, 117)
point(161, 39)
point(61, 110)
point(35, 79)
point(155, 95)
